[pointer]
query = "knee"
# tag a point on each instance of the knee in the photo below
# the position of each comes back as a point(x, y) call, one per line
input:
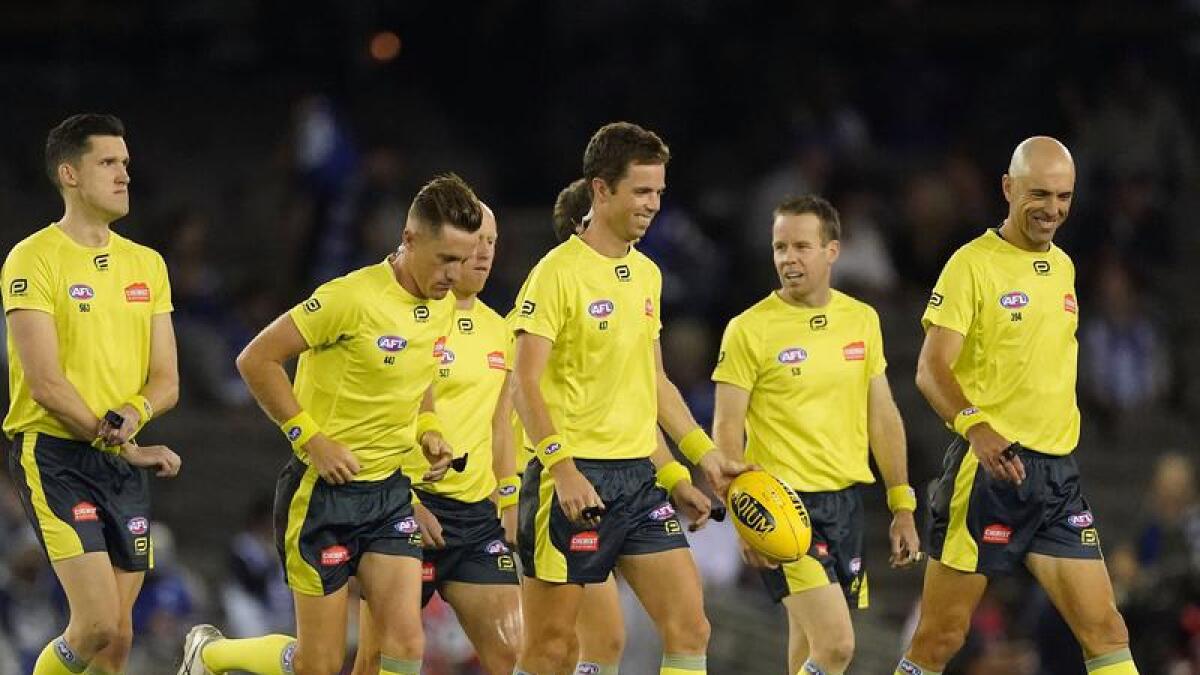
point(121, 643)
point(935, 644)
point(834, 653)
point(97, 635)
point(317, 662)
point(687, 634)
point(553, 644)
point(605, 648)
point(1104, 635)
point(499, 657)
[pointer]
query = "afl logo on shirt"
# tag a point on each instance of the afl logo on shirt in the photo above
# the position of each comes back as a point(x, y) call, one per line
point(792, 355)
point(391, 343)
point(1014, 300)
point(601, 309)
point(81, 292)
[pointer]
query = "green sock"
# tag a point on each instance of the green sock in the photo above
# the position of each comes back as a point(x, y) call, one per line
point(1119, 662)
point(393, 666)
point(267, 655)
point(58, 659)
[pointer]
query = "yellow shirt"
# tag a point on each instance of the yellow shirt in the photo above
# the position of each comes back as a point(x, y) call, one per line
point(602, 315)
point(1018, 313)
point(521, 446)
point(470, 376)
point(374, 350)
point(808, 371)
point(102, 300)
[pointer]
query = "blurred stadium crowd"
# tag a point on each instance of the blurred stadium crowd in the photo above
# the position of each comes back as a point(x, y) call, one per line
point(275, 145)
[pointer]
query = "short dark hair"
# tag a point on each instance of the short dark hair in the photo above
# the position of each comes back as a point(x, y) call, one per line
point(447, 199)
point(70, 139)
point(571, 207)
point(831, 223)
point(615, 146)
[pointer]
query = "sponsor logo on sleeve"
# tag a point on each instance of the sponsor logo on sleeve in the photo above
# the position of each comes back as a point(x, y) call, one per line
point(137, 292)
point(935, 299)
point(528, 307)
point(138, 525)
point(18, 287)
point(311, 305)
point(855, 351)
point(495, 360)
point(81, 292)
point(85, 511)
point(332, 556)
point(997, 533)
point(792, 355)
point(1070, 304)
point(391, 343)
point(1014, 300)
point(585, 542)
point(601, 309)
point(649, 307)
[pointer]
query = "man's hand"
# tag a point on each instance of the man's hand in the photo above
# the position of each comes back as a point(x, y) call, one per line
point(158, 457)
point(113, 435)
point(438, 453)
point(721, 470)
point(754, 558)
point(692, 503)
point(906, 546)
point(333, 461)
point(431, 529)
point(575, 493)
point(508, 520)
point(996, 453)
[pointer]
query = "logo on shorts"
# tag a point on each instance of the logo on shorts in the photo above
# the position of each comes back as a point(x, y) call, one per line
point(585, 542)
point(335, 555)
point(822, 550)
point(855, 565)
point(505, 562)
point(496, 547)
point(663, 512)
point(792, 355)
point(137, 292)
point(1070, 304)
point(672, 526)
point(407, 525)
point(81, 292)
point(496, 360)
point(855, 351)
point(1089, 537)
point(391, 343)
point(997, 534)
point(1014, 300)
point(85, 511)
point(138, 525)
point(141, 545)
point(428, 572)
point(601, 308)
point(1081, 520)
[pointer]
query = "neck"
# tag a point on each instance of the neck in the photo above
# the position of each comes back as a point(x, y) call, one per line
point(1013, 235)
point(84, 226)
point(601, 237)
point(404, 277)
point(463, 300)
point(815, 298)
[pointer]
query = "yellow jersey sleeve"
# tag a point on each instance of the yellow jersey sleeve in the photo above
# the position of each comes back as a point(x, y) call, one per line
point(162, 285)
point(543, 307)
point(737, 362)
point(952, 303)
point(876, 361)
point(329, 315)
point(27, 281)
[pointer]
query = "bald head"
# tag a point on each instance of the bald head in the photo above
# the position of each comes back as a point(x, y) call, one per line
point(1040, 154)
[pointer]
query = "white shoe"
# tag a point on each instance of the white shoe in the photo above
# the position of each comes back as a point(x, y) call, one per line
point(197, 637)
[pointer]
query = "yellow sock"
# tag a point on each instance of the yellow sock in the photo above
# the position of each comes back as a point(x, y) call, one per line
point(267, 655)
point(391, 666)
point(907, 667)
point(1119, 662)
point(58, 659)
point(680, 664)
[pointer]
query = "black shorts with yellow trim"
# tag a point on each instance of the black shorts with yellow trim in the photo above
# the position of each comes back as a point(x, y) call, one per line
point(639, 520)
point(80, 500)
point(322, 530)
point(988, 526)
point(475, 552)
point(835, 555)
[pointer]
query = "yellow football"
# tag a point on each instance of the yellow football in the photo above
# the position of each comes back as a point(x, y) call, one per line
point(769, 516)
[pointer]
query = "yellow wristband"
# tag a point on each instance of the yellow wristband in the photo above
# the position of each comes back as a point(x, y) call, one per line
point(142, 405)
point(300, 429)
point(967, 418)
point(670, 474)
point(508, 489)
point(98, 443)
point(426, 422)
point(696, 444)
point(901, 498)
point(551, 451)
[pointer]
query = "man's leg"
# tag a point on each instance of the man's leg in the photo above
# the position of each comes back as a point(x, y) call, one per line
point(1082, 592)
point(819, 622)
point(491, 616)
point(112, 659)
point(391, 584)
point(947, 602)
point(601, 629)
point(366, 659)
point(668, 586)
point(95, 605)
point(319, 647)
point(549, 611)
